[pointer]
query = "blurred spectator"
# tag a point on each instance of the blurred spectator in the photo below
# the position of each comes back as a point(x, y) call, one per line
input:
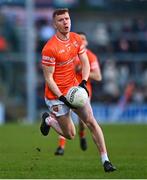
point(138, 96)
point(110, 78)
point(3, 40)
point(123, 45)
point(3, 44)
point(138, 25)
point(144, 84)
point(101, 36)
point(123, 76)
point(8, 34)
point(45, 32)
point(126, 27)
point(144, 78)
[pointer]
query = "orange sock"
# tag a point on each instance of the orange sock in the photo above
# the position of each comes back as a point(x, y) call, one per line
point(82, 134)
point(62, 141)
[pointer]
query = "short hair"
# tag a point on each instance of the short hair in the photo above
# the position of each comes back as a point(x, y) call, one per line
point(60, 11)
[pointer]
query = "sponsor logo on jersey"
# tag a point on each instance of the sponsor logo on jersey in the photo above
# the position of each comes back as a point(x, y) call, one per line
point(47, 58)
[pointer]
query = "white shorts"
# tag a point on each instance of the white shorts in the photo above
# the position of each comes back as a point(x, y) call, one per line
point(57, 107)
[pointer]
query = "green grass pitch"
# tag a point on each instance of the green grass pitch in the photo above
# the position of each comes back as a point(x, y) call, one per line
point(25, 153)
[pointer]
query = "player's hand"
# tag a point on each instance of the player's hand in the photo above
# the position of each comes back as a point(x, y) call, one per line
point(83, 85)
point(63, 99)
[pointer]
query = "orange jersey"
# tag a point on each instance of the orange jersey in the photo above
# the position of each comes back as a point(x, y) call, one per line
point(94, 64)
point(61, 55)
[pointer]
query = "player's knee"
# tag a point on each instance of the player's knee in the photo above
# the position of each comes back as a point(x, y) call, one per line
point(70, 135)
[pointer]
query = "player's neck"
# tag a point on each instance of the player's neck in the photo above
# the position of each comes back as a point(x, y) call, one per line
point(63, 37)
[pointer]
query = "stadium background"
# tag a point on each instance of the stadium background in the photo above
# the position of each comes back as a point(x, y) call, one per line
point(117, 33)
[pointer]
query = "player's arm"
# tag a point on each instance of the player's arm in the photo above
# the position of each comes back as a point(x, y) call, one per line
point(85, 70)
point(95, 71)
point(85, 66)
point(95, 74)
point(48, 72)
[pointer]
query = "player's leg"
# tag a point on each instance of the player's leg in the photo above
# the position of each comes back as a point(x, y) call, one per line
point(87, 115)
point(59, 119)
point(67, 125)
point(63, 125)
point(82, 135)
point(71, 133)
point(61, 146)
point(48, 120)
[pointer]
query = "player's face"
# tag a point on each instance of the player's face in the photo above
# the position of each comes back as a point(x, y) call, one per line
point(62, 23)
point(84, 40)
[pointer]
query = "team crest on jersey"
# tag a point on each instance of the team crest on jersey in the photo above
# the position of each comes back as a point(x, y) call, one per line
point(68, 47)
point(56, 108)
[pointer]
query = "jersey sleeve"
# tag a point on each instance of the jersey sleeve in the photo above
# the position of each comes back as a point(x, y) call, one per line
point(93, 60)
point(81, 49)
point(48, 58)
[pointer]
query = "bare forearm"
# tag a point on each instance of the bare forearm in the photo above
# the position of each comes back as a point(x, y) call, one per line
point(95, 76)
point(85, 72)
point(53, 87)
point(85, 66)
point(48, 75)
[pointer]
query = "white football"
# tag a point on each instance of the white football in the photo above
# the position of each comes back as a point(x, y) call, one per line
point(77, 96)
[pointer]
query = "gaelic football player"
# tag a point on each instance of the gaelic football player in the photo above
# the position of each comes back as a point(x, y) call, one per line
point(58, 56)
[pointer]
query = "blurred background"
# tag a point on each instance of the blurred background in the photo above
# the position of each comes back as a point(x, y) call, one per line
point(117, 33)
